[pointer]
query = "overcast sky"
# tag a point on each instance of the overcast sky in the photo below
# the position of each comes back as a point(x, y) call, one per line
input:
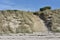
point(31, 5)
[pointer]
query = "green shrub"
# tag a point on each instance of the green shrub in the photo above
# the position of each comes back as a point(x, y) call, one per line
point(44, 8)
point(47, 7)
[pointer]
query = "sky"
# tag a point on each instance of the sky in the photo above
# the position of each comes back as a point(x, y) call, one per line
point(28, 5)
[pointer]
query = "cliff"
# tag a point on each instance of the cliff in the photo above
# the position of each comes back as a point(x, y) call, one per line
point(15, 21)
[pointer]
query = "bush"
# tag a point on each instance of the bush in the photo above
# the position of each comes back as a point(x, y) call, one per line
point(44, 8)
point(47, 7)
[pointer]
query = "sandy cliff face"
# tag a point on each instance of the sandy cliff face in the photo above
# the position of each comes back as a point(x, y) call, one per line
point(52, 19)
point(56, 21)
point(20, 22)
point(15, 21)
